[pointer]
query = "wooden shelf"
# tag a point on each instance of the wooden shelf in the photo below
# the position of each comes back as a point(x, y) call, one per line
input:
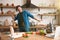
point(6, 27)
point(47, 7)
point(6, 14)
point(48, 14)
point(7, 6)
point(24, 7)
point(36, 26)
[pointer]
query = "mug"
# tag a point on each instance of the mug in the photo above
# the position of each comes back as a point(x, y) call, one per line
point(57, 33)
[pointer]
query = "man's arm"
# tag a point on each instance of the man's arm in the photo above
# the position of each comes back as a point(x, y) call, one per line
point(37, 19)
point(32, 16)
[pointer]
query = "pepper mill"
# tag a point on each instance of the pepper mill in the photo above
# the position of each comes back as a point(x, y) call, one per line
point(0, 35)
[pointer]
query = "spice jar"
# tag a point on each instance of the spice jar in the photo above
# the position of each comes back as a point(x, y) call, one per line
point(7, 4)
point(12, 4)
point(2, 12)
point(1, 4)
point(0, 35)
point(6, 23)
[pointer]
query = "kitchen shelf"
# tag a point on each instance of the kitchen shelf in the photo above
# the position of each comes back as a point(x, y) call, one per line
point(37, 26)
point(4, 27)
point(24, 7)
point(48, 14)
point(7, 6)
point(42, 7)
point(47, 7)
point(6, 14)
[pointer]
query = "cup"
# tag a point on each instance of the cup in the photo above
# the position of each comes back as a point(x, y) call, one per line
point(57, 33)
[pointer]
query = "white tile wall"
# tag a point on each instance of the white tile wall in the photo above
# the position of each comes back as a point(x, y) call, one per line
point(7, 9)
point(16, 2)
point(42, 2)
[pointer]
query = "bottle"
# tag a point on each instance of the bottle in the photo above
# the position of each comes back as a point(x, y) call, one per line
point(49, 28)
point(1, 4)
point(6, 23)
point(12, 4)
point(2, 12)
point(7, 4)
point(0, 35)
point(11, 30)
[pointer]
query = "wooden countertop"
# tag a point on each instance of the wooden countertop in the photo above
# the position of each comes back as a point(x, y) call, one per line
point(31, 37)
point(35, 37)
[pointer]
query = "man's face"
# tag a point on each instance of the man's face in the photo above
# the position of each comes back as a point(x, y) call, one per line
point(19, 9)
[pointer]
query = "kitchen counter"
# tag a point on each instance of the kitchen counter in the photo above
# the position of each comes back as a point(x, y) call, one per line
point(30, 37)
point(16, 27)
point(36, 26)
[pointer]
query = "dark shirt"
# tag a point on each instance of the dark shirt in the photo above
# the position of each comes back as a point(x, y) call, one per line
point(21, 19)
point(21, 23)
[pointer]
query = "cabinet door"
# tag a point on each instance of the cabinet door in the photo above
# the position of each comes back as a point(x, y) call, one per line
point(58, 19)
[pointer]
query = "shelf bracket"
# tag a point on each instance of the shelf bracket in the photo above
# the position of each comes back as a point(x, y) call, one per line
point(1, 8)
point(41, 16)
point(55, 16)
point(38, 9)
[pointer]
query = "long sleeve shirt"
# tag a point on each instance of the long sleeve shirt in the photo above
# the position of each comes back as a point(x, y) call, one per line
point(25, 14)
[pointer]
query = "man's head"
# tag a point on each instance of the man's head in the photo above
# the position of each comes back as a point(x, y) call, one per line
point(19, 8)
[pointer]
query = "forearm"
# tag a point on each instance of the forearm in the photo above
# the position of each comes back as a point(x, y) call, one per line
point(37, 19)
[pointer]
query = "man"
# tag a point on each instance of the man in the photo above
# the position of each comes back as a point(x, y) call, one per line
point(23, 20)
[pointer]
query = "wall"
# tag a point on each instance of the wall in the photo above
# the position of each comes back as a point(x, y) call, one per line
point(57, 4)
point(32, 10)
point(43, 2)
